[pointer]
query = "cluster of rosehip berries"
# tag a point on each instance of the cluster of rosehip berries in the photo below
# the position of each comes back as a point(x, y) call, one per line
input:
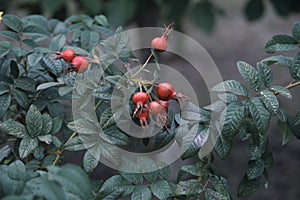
point(158, 109)
point(76, 63)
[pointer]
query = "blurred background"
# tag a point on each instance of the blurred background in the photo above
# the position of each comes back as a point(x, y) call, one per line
point(230, 30)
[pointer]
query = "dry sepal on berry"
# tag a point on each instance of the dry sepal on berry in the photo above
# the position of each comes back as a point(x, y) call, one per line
point(143, 116)
point(160, 44)
point(158, 112)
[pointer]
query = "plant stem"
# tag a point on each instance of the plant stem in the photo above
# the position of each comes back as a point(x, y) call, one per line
point(61, 150)
point(98, 104)
point(143, 67)
point(289, 86)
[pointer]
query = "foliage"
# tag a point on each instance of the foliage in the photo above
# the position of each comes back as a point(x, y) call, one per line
point(203, 13)
point(36, 130)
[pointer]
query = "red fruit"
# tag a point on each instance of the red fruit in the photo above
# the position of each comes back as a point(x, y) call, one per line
point(140, 97)
point(159, 43)
point(67, 55)
point(164, 104)
point(166, 91)
point(159, 113)
point(80, 64)
point(143, 117)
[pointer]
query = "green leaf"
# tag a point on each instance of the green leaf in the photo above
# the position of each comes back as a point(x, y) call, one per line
point(73, 179)
point(232, 118)
point(115, 184)
point(5, 47)
point(13, 22)
point(250, 75)
point(47, 124)
point(108, 119)
point(34, 58)
point(74, 144)
point(260, 114)
point(256, 150)
point(4, 152)
point(279, 60)
point(55, 66)
point(248, 187)
point(4, 88)
point(135, 178)
point(220, 184)
point(57, 123)
point(13, 128)
point(195, 170)
point(141, 193)
point(228, 97)
point(162, 189)
point(5, 100)
point(14, 69)
point(115, 136)
point(270, 101)
point(268, 160)
point(203, 15)
point(285, 132)
point(193, 112)
point(296, 31)
point(39, 153)
point(189, 187)
point(223, 146)
point(255, 169)
point(254, 9)
point(10, 35)
point(37, 20)
point(17, 171)
point(265, 73)
point(25, 83)
point(217, 106)
point(33, 29)
point(231, 86)
point(89, 39)
point(101, 19)
point(282, 91)
point(281, 43)
point(34, 121)
point(213, 195)
point(90, 161)
point(21, 97)
point(27, 146)
point(57, 42)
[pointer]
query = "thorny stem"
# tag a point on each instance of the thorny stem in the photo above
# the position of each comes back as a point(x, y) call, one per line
point(60, 151)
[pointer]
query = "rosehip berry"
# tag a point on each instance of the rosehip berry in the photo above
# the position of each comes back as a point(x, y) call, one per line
point(158, 112)
point(80, 64)
point(159, 43)
point(143, 117)
point(164, 104)
point(67, 55)
point(166, 91)
point(140, 97)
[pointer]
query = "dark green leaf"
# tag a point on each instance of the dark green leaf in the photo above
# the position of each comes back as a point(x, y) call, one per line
point(193, 112)
point(250, 75)
point(57, 123)
point(37, 20)
point(135, 178)
point(260, 114)
point(89, 39)
point(90, 162)
point(10, 35)
point(228, 97)
point(57, 42)
point(55, 66)
point(141, 193)
point(33, 29)
point(270, 101)
point(25, 83)
point(296, 31)
point(217, 106)
point(5, 47)
point(257, 149)
point(115, 136)
point(203, 15)
point(47, 124)
point(13, 22)
point(281, 43)
point(280, 60)
point(220, 184)
point(27, 146)
point(101, 19)
point(255, 169)
point(248, 187)
point(265, 73)
point(74, 144)
point(232, 118)
point(34, 58)
point(4, 152)
point(267, 158)
point(14, 128)
point(231, 86)
point(114, 183)
point(34, 121)
point(223, 147)
point(213, 195)
point(39, 153)
point(17, 171)
point(5, 100)
point(162, 189)
point(254, 9)
point(189, 187)
point(21, 97)
point(285, 132)
point(108, 118)
point(281, 90)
